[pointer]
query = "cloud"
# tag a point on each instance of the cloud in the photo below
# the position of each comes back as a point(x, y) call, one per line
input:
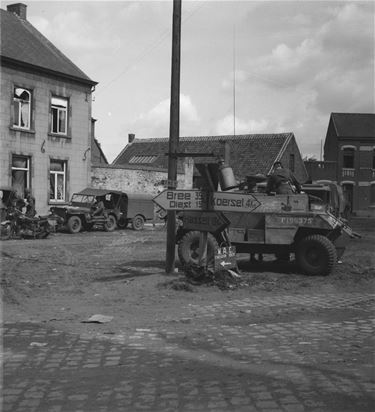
point(226, 126)
point(72, 30)
point(301, 80)
point(343, 44)
point(155, 123)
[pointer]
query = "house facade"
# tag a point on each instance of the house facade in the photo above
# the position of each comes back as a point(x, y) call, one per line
point(248, 154)
point(45, 114)
point(349, 159)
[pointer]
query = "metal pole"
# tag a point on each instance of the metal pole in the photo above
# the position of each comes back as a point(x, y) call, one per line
point(174, 132)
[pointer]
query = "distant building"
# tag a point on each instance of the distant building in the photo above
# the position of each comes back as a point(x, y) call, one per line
point(249, 154)
point(45, 114)
point(349, 159)
point(97, 155)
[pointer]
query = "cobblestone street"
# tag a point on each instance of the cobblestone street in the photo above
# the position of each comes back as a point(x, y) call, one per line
point(240, 355)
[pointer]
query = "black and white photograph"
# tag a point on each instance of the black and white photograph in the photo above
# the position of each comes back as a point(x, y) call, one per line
point(187, 192)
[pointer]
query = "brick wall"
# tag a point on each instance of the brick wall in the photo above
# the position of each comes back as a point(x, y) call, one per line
point(299, 166)
point(39, 144)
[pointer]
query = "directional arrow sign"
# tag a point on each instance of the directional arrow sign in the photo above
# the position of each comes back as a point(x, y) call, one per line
point(225, 258)
point(205, 221)
point(200, 200)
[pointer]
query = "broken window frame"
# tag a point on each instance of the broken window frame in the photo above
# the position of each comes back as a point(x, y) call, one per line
point(21, 108)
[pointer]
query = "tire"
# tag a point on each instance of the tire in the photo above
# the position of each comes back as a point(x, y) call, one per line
point(122, 223)
point(138, 222)
point(74, 224)
point(162, 214)
point(316, 255)
point(188, 248)
point(111, 224)
point(6, 231)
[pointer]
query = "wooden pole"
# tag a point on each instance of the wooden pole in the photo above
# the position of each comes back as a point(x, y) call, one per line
point(174, 132)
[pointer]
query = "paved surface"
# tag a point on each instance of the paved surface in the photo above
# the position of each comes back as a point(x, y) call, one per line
point(283, 353)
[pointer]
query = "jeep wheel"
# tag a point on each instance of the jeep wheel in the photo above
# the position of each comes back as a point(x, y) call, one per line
point(6, 231)
point(122, 223)
point(188, 248)
point(138, 222)
point(316, 255)
point(110, 224)
point(74, 224)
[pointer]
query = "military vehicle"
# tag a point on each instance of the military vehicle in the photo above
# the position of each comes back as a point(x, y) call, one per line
point(278, 224)
point(120, 209)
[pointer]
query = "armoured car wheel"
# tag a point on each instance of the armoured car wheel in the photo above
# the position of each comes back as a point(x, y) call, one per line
point(138, 222)
point(316, 255)
point(74, 224)
point(110, 224)
point(188, 248)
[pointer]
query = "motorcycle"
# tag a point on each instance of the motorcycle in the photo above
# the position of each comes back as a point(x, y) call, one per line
point(18, 225)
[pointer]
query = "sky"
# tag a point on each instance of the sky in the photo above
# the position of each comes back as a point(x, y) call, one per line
point(247, 67)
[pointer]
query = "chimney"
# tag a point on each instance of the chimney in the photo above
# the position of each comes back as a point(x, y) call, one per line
point(19, 9)
point(131, 137)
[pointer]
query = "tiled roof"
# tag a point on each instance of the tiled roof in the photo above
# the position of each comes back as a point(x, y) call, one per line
point(21, 43)
point(354, 124)
point(249, 154)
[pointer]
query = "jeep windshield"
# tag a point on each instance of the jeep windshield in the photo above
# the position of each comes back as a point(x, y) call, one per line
point(82, 200)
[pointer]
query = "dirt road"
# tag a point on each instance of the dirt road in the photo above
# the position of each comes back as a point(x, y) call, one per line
point(281, 341)
point(65, 279)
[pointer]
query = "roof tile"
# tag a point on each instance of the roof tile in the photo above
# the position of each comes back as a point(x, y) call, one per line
point(250, 154)
point(21, 42)
point(354, 124)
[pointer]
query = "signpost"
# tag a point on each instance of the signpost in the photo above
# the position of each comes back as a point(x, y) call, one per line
point(201, 200)
point(225, 258)
point(204, 215)
point(205, 221)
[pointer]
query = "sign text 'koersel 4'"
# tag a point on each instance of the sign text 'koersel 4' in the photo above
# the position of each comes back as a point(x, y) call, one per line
point(200, 200)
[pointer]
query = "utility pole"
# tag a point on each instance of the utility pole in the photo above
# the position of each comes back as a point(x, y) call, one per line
point(174, 132)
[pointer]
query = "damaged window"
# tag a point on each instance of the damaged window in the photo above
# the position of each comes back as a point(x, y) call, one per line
point(22, 108)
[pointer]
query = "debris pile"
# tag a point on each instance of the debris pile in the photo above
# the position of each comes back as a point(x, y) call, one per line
point(195, 275)
point(223, 279)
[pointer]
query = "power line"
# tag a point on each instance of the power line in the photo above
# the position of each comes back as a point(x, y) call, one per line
point(149, 49)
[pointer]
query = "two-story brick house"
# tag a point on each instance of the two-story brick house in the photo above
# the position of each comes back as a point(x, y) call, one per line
point(45, 115)
point(349, 159)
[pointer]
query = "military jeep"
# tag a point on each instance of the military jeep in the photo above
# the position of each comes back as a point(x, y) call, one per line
point(79, 214)
point(277, 224)
point(120, 209)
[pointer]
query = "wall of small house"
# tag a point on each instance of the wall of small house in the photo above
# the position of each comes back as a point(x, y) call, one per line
point(38, 143)
point(137, 180)
point(96, 155)
point(300, 171)
point(330, 143)
point(321, 170)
